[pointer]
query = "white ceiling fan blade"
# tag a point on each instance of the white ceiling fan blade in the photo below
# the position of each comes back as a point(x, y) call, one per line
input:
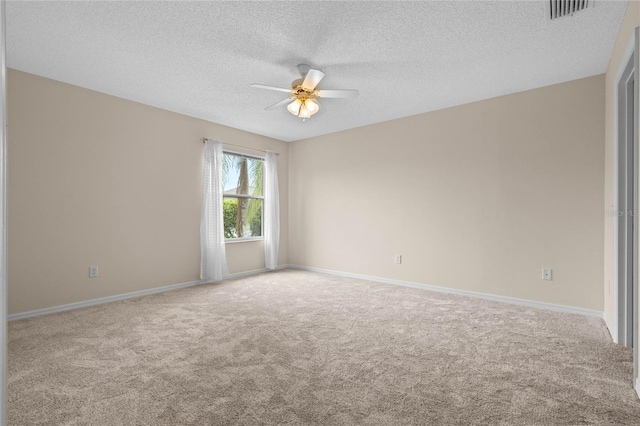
point(312, 79)
point(340, 94)
point(277, 89)
point(277, 104)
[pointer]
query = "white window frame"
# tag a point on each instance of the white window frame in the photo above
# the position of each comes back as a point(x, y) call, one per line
point(259, 197)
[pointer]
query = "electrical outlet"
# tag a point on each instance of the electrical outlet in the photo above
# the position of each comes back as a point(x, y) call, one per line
point(398, 259)
point(93, 271)
point(546, 274)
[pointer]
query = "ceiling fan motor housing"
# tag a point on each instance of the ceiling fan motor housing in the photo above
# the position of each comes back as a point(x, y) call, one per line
point(301, 93)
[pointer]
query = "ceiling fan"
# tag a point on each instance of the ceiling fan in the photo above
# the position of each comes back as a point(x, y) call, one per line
point(303, 95)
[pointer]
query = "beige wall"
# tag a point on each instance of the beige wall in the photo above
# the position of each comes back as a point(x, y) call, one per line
point(480, 196)
point(99, 180)
point(477, 197)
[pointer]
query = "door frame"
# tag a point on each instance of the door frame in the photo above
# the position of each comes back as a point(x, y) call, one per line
point(625, 291)
point(3, 217)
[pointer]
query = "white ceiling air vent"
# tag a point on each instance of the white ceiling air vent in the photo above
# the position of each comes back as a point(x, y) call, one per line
point(555, 9)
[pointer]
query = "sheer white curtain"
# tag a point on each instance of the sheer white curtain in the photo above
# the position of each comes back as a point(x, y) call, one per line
point(213, 261)
point(271, 211)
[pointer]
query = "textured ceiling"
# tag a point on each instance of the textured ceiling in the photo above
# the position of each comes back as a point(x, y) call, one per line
point(405, 58)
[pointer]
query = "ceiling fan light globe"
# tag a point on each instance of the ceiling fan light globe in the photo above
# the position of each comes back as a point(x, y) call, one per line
point(294, 107)
point(312, 106)
point(304, 111)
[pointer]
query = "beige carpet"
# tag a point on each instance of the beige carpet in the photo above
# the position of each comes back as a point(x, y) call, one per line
point(296, 347)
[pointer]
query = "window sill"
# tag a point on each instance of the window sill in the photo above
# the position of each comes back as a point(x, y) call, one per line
point(242, 240)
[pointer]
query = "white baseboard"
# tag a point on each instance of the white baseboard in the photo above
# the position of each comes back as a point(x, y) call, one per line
point(506, 299)
point(513, 300)
point(85, 303)
point(254, 272)
point(637, 387)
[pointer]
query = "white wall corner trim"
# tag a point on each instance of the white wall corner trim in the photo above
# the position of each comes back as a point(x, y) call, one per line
point(124, 296)
point(612, 331)
point(637, 386)
point(505, 299)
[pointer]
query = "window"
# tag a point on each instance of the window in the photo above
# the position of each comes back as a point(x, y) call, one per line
point(242, 196)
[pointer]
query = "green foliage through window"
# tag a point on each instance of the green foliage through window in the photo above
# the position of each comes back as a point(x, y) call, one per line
point(242, 203)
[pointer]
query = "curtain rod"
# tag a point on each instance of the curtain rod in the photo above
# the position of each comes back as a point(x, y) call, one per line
point(245, 147)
